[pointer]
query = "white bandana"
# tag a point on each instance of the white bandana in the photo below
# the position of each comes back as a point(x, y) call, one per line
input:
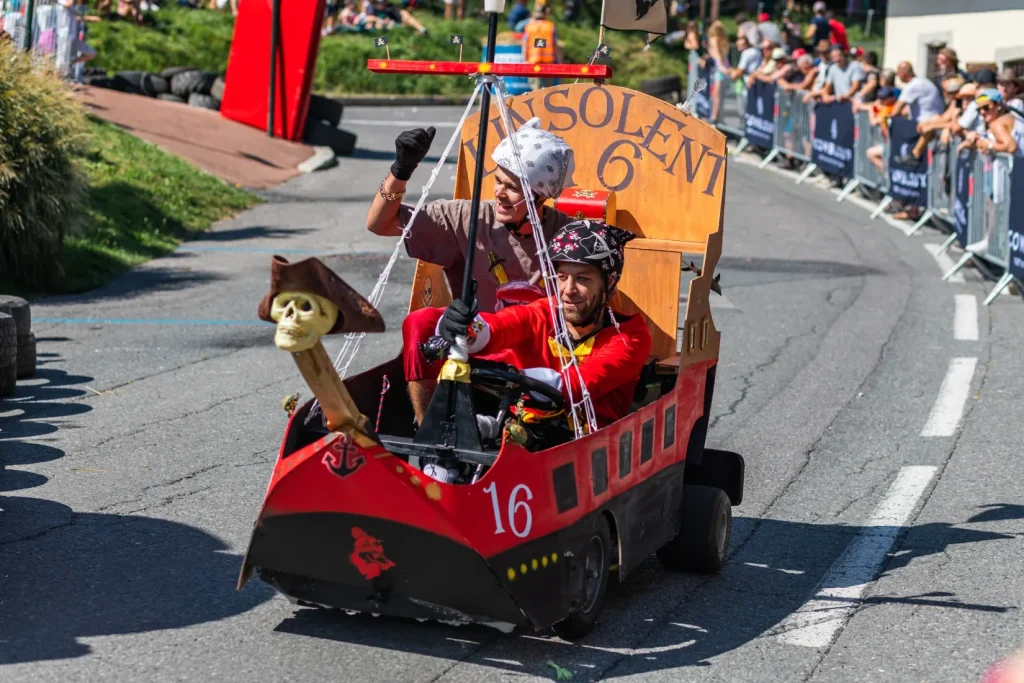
point(547, 158)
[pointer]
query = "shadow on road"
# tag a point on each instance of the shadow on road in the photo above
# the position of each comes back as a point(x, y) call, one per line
point(36, 410)
point(103, 574)
point(749, 600)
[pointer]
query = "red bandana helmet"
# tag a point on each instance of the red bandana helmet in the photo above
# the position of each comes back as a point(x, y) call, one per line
point(594, 243)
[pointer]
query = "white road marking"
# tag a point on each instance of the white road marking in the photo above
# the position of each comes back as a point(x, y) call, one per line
point(965, 318)
point(398, 124)
point(949, 406)
point(945, 263)
point(821, 618)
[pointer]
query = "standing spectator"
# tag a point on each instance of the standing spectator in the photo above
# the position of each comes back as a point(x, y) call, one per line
point(748, 29)
point(970, 120)
point(768, 64)
point(1011, 88)
point(1004, 131)
point(540, 44)
point(844, 77)
point(819, 29)
point(807, 74)
point(718, 53)
point(922, 100)
point(948, 64)
point(837, 31)
point(769, 29)
point(750, 59)
point(519, 13)
point(869, 63)
point(784, 67)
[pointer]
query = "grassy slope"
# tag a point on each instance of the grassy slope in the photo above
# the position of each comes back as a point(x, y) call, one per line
point(202, 38)
point(141, 203)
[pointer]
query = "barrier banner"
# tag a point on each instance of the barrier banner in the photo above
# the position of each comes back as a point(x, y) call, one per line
point(1016, 257)
point(962, 193)
point(908, 183)
point(703, 99)
point(760, 115)
point(832, 146)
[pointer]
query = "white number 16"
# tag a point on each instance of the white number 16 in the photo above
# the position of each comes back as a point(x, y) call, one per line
point(514, 506)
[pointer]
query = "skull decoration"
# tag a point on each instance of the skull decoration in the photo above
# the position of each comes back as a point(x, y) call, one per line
point(302, 318)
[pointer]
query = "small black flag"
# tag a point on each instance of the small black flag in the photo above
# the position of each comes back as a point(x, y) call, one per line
point(540, 42)
point(381, 41)
point(604, 49)
point(455, 39)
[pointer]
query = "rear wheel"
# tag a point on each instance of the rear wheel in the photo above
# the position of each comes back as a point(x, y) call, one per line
point(596, 569)
point(703, 541)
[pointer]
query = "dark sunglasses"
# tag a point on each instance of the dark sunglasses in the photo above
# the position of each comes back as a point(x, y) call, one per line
point(985, 108)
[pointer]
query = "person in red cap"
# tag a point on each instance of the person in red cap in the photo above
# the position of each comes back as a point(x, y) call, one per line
point(838, 34)
point(610, 348)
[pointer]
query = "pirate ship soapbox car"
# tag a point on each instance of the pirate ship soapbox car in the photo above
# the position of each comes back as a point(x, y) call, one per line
point(351, 521)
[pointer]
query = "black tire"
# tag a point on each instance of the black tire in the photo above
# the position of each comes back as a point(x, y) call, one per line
point(99, 82)
point(168, 97)
point(597, 559)
point(203, 101)
point(172, 71)
point(703, 541)
point(327, 110)
point(8, 354)
point(662, 86)
point(129, 81)
point(318, 133)
point(26, 356)
point(185, 83)
point(19, 310)
point(217, 89)
point(153, 85)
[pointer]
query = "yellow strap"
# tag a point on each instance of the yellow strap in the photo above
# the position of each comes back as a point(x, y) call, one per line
point(580, 351)
point(455, 371)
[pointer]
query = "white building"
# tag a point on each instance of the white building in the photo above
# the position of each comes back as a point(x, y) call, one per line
point(983, 32)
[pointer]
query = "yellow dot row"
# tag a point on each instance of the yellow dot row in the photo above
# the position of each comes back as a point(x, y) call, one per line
point(535, 564)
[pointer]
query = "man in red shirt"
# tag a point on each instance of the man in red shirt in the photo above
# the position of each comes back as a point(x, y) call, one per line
point(838, 36)
point(610, 348)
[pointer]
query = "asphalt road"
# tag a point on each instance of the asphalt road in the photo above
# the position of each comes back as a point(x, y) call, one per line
point(880, 538)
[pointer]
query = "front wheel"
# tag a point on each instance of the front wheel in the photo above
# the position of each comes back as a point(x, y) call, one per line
point(596, 569)
point(703, 541)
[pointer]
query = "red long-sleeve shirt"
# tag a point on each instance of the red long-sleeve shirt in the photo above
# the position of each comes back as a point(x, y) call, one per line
point(610, 366)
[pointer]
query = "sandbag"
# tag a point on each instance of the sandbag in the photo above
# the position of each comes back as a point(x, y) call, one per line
point(8, 355)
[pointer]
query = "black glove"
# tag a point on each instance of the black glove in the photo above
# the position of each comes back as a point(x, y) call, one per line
point(457, 319)
point(434, 349)
point(410, 148)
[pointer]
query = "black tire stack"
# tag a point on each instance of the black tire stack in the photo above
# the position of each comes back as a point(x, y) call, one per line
point(17, 343)
point(322, 126)
point(182, 84)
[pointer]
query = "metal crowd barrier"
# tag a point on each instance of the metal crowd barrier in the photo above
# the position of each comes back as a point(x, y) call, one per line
point(866, 136)
point(988, 219)
point(792, 130)
point(728, 102)
point(53, 30)
point(941, 179)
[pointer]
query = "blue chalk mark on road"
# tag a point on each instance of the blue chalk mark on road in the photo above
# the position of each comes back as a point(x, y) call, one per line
point(147, 321)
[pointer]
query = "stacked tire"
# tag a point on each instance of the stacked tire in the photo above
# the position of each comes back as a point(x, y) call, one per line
point(17, 343)
point(322, 126)
point(182, 84)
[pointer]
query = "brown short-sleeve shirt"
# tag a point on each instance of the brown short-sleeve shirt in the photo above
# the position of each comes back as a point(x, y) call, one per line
point(441, 231)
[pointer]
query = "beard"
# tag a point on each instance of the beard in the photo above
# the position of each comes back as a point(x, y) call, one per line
point(581, 312)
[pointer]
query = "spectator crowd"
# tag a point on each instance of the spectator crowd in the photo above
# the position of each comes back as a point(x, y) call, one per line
point(982, 110)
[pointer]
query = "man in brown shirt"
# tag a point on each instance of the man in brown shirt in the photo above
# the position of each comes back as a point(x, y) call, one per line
point(440, 232)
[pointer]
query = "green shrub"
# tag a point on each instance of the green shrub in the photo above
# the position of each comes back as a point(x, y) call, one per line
point(41, 187)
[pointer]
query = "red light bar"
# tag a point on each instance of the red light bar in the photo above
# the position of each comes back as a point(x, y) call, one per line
point(410, 66)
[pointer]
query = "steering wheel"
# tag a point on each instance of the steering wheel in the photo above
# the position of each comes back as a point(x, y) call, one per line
point(508, 381)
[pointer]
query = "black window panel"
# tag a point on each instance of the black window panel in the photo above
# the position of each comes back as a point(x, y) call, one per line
point(564, 478)
point(647, 441)
point(669, 436)
point(625, 454)
point(599, 468)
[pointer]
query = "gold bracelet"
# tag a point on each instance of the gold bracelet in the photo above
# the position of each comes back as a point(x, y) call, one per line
point(390, 196)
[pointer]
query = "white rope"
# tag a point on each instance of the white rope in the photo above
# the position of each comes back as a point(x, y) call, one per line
point(353, 339)
point(548, 271)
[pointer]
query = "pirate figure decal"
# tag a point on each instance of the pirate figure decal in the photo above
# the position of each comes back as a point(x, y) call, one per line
point(368, 555)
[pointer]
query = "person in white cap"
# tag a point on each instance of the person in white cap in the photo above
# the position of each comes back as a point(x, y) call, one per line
point(440, 232)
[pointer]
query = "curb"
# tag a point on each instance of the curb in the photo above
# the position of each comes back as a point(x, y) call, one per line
point(397, 100)
point(322, 158)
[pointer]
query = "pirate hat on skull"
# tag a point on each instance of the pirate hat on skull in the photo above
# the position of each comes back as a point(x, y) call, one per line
point(355, 313)
point(594, 243)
